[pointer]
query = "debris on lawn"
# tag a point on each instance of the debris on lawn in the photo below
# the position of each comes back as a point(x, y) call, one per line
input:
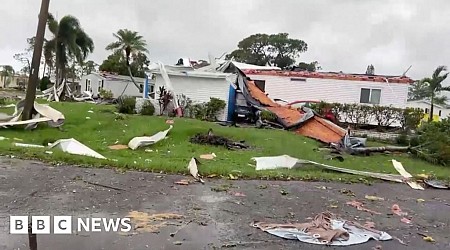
point(193, 169)
point(325, 229)
point(41, 113)
point(374, 198)
point(143, 141)
point(437, 184)
point(118, 147)
point(3, 138)
point(24, 145)
point(232, 177)
point(401, 170)
point(170, 121)
point(360, 206)
point(151, 223)
point(215, 140)
point(347, 192)
point(286, 161)
point(73, 146)
point(208, 156)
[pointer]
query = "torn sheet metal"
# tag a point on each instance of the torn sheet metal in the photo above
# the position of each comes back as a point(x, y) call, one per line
point(75, 147)
point(286, 161)
point(437, 184)
point(44, 113)
point(325, 229)
point(25, 145)
point(401, 170)
point(143, 141)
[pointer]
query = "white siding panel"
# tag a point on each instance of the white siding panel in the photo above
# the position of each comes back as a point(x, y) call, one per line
point(117, 87)
point(199, 89)
point(331, 90)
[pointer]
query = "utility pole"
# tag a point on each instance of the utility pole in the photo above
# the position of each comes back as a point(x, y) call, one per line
point(35, 63)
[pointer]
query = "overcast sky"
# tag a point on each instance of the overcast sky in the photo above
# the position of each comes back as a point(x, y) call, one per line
point(342, 35)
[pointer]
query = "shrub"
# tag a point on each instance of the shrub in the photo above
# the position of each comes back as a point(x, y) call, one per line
point(402, 139)
point(198, 111)
point(2, 100)
point(126, 105)
point(147, 108)
point(435, 140)
point(269, 116)
point(106, 94)
point(164, 99)
point(411, 118)
point(213, 107)
point(44, 82)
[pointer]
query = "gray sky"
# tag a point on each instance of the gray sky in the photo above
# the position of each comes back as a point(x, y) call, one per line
point(342, 35)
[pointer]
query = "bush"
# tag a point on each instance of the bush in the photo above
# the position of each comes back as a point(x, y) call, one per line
point(44, 82)
point(126, 105)
point(268, 116)
point(198, 111)
point(402, 139)
point(106, 94)
point(213, 107)
point(435, 140)
point(147, 108)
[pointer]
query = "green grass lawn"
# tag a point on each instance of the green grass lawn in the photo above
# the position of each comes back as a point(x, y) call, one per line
point(173, 154)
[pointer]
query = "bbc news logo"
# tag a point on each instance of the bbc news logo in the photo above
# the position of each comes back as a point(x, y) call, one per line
point(63, 224)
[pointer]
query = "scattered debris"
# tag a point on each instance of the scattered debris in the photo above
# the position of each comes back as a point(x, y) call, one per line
point(221, 188)
point(143, 141)
point(374, 198)
point(283, 192)
point(428, 239)
point(360, 206)
point(369, 224)
point(420, 200)
point(42, 113)
point(325, 229)
point(182, 182)
point(211, 139)
point(396, 210)
point(286, 161)
point(178, 243)
point(118, 147)
point(24, 145)
point(151, 223)
point(401, 170)
point(437, 184)
point(406, 220)
point(73, 146)
point(17, 139)
point(232, 177)
point(377, 247)
point(170, 121)
point(3, 138)
point(238, 194)
point(262, 186)
point(90, 111)
point(208, 156)
point(49, 152)
point(193, 169)
point(347, 192)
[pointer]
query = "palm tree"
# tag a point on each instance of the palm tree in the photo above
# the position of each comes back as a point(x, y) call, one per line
point(435, 86)
point(69, 42)
point(131, 43)
point(7, 72)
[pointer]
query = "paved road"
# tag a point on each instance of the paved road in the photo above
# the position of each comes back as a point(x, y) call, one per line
point(211, 219)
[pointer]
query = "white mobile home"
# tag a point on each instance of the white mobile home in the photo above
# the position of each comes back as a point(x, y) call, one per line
point(332, 87)
point(115, 83)
point(439, 110)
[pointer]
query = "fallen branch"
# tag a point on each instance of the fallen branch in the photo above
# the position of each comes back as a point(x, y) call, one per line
point(369, 150)
point(105, 186)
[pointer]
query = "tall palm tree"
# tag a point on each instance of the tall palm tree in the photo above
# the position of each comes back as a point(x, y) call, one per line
point(69, 42)
point(131, 43)
point(435, 85)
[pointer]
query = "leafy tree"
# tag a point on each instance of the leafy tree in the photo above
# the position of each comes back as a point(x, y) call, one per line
point(276, 49)
point(6, 74)
point(311, 67)
point(419, 90)
point(115, 63)
point(370, 70)
point(434, 86)
point(69, 42)
point(88, 67)
point(132, 44)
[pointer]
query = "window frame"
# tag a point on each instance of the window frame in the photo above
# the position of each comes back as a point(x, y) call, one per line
point(370, 96)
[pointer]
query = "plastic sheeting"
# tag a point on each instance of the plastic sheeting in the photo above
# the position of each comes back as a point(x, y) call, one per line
point(143, 141)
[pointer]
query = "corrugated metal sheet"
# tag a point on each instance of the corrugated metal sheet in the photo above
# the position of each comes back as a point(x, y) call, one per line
point(331, 90)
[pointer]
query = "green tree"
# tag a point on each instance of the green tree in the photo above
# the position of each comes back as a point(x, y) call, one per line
point(88, 67)
point(434, 86)
point(115, 63)
point(6, 74)
point(311, 67)
point(69, 42)
point(419, 90)
point(370, 70)
point(276, 49)
point(130, 43)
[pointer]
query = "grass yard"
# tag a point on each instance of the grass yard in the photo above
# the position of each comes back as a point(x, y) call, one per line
point(173, 154)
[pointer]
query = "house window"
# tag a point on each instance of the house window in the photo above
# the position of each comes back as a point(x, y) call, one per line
point(141, 90)
point(440, 112)
point(261, 85)
point(426, 110)
point(371, 96)
point(88, 85)
point(298, 79)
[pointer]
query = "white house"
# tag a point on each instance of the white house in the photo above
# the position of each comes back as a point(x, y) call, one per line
point(440, 111)
point(115, 83)
point(199, 86)
point(332, 87)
